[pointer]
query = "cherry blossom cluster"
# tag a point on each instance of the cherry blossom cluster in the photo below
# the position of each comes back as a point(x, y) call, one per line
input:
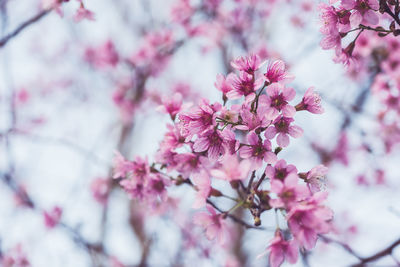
point(238, 141)
point(350, 18)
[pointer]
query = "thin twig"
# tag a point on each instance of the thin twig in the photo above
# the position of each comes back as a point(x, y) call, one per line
point(21, 27)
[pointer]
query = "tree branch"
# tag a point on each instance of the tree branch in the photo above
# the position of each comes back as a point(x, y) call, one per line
point(37, 17)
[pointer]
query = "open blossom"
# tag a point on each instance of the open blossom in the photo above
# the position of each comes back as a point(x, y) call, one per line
point(279, 97)
point(331, 40)
point(280, 249)
point(52, 217)
point(257, 151)
point(282, 127)
point(329, 19)
point(198, 119)
point(251, 121)
point(364, 11)
point(289, 192)
point(276, 73)
point(311, 102)
point(231, 170)
point(248, 64)
point(280, 170)
point(222, 83)
point(172, 138)
point(213, 223)
point(172, 105)
point(211, 141)
point(243, 85)
point(189, 163)
point(309, 218)
point(316, 178)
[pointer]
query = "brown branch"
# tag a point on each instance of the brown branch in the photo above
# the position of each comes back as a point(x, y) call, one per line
point(341, 244)
point(21, 27)
point(380, 254)
point(234, 218)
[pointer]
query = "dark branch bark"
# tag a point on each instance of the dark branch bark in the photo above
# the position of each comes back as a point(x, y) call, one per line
point(21, 27)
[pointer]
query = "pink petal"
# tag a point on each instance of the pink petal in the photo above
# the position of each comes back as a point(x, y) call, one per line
point(295, 131)
point(288, 111)
point(276, 257)
point(292, 252)
point(289, 93)
point(201, 144)
point(246, 152)
point(270, 132)
point(282, 140)
point(270, 158)
point(355, 19)
point(371, 17)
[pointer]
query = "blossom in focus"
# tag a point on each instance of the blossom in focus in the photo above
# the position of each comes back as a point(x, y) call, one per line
point(247, 64)
point(276, 72)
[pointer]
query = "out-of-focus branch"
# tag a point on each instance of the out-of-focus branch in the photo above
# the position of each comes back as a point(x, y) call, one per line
point(346, 247)
point(20, 28)
point(363, 261)
point(27, 201)
point(384, 252)
point(234, 218)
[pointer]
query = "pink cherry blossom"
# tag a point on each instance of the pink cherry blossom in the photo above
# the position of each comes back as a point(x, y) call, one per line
point(257, 151)
point(316, 178)
point(364, 11)
point(311, 102)
point(279, 97)
point(289, 192)
point(243, 85)
point(247, 64)
point(198, 119)
point(172, 105)
point(282, 126)
point(280, 249)
point(222, 83)
point(231, 169)
point(213, 223)
point(309, 218)
point(276, 73)
point(252, 121)
point(211, 141)
point(280, 170)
